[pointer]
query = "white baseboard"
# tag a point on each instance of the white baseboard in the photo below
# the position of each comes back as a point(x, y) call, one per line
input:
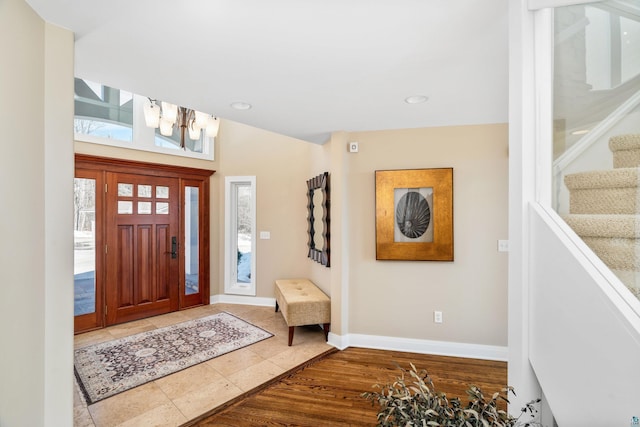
point(410, 345)
point(440, 348)
point(241, 299)
point(337, 341)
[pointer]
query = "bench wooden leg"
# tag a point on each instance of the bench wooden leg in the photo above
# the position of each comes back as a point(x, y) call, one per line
point(326, 331)
point(290, 335)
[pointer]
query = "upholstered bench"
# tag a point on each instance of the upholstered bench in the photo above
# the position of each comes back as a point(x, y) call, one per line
point(302, 303)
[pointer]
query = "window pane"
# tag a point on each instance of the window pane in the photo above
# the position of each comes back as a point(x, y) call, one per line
point(162, 192)
point(103, 111)
point(240, 235)
point(173, 141)
point(144, 191)
point(192, 245)
point(144, 207)
point(162, 208)
point(125, 207)
point(243, 197)
point(125, 190)
point(84, 260)
point(630, 53)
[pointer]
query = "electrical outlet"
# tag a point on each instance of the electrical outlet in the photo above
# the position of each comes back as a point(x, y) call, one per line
point(437, 316)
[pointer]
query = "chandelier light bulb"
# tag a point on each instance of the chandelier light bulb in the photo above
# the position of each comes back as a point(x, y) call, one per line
point(169, 112)
point(213, 124)
point(201, 119)
point(166, 127)
point(151, 114)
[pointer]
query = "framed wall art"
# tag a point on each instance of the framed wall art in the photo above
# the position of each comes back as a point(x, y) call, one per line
point(414, 214)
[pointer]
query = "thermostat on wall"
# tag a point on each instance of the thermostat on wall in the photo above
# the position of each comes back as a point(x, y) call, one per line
point(353, 147)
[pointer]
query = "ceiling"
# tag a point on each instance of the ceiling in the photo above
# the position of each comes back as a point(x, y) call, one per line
point(307, 67)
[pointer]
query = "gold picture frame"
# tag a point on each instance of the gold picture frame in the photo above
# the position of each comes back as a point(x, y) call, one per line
point(414, 214)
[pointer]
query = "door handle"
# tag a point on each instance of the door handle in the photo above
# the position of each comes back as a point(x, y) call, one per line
point(174, 247)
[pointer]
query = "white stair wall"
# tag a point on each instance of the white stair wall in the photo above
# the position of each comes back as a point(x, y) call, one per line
point(585, 330)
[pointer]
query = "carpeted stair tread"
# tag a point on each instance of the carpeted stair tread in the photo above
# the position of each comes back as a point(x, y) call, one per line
point(616, 226)
point(615, 178)
point(613, 191)
point(626, 150)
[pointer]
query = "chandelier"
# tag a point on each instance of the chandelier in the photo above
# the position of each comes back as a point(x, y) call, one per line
point(168, 116)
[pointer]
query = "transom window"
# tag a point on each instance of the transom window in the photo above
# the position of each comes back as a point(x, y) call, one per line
point(111, 116)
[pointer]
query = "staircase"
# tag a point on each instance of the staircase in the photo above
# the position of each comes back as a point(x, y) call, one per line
point(605, 210)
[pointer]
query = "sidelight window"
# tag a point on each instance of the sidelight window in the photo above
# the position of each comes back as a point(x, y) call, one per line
point(240, 235)
point(192, 240)
point(84, 245)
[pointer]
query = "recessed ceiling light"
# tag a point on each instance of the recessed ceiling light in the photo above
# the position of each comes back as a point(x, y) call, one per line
point(580, 132)
point(417, 99)
point(239, 105)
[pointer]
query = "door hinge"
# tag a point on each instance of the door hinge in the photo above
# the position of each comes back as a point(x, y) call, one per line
point(106, 249)
point(106, 309)
point(106, 186)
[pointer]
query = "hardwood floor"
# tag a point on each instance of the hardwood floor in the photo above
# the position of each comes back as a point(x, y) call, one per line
point(327, 392)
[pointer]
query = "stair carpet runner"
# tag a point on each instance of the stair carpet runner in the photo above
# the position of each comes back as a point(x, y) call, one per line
point(604, 210)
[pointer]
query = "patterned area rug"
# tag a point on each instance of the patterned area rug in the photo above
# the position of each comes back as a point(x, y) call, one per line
point(112, 367)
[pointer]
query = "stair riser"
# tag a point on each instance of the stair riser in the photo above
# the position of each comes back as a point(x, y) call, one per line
point(605, 201)
point(626, 159)
point(626, 150)
point(617, 253)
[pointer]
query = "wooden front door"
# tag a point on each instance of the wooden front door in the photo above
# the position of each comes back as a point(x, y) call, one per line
point(142, 246)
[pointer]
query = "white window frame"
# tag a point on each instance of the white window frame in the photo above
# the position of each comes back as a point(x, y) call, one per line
point(231, 284)
point(143, 137)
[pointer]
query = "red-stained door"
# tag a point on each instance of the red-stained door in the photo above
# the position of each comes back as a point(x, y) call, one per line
point(142, 246)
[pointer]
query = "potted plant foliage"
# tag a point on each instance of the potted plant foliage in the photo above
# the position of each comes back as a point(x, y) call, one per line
point(412, 400)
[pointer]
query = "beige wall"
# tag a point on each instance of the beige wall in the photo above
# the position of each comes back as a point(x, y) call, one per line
point(58, 191)
point(397, 298)
point(281, 166)
point(36, 259)
point(471, 291)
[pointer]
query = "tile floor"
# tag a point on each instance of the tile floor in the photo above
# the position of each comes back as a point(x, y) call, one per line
point(184, 395)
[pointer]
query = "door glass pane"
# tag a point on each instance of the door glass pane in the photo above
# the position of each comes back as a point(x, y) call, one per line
point(144, 207)
point(162, 208)
point(125, 190)
point(162, 192)
point(125, 207)
point(192, 245)
point(144, 191)
point(243, 198)
point(84, 226)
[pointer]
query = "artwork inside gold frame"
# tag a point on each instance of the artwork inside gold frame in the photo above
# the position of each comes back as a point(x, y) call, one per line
point(414, 214)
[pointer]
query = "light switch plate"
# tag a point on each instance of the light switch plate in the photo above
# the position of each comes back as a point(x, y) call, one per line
point(265, 235)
